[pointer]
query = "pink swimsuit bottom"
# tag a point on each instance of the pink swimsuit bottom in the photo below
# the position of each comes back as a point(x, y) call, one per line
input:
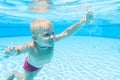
point(28, 67)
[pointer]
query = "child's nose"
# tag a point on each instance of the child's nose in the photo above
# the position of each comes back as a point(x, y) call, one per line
point(51, 36)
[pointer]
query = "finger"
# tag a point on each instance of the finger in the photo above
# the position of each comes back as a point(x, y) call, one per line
point(4, 52)
point(11, 48)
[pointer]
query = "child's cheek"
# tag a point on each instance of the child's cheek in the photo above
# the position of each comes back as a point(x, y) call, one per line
point(46, 38)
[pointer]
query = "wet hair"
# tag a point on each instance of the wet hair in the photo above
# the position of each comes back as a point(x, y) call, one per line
point(40, 23)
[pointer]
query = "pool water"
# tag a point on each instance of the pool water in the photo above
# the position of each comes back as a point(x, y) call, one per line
point(75, 58)
point(93, 53)
point(16, 16)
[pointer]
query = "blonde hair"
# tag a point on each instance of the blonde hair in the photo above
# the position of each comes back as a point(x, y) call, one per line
point(40, 23)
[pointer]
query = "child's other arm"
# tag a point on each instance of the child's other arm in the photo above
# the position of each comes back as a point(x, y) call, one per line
point(17, 50)
point(75, 27)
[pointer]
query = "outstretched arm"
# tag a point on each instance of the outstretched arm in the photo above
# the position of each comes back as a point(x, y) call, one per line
point(75, 27)
point(17, 50)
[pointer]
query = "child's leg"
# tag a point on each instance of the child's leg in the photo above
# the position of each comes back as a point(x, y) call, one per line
point(16, 74)
point(10, 77)
point(30, 75)
point(20, 76)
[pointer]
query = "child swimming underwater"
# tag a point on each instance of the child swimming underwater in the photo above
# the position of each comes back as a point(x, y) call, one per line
point(40, 50)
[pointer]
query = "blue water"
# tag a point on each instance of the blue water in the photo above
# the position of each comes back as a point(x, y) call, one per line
point(93, 53)
point(75, 58)
point(15, 16)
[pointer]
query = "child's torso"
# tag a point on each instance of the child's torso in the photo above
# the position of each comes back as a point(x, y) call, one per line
point(40, 57)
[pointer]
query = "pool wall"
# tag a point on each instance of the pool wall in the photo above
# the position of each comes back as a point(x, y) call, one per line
point(99, 30)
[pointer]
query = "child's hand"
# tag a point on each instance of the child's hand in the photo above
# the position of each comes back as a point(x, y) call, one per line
point(9, 51)
point(89, 17)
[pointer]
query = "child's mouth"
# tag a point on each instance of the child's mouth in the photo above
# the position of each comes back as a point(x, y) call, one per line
point(51, 42)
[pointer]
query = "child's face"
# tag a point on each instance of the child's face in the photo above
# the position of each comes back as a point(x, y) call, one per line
point(44, 36)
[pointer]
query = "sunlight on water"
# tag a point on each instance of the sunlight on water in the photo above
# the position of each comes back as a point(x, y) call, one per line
point(19, 9)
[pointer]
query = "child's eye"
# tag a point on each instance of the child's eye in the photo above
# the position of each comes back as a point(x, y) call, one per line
point(52, 33)
point(46, 35)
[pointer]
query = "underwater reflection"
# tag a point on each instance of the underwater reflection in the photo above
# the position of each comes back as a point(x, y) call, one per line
point(40, 6)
